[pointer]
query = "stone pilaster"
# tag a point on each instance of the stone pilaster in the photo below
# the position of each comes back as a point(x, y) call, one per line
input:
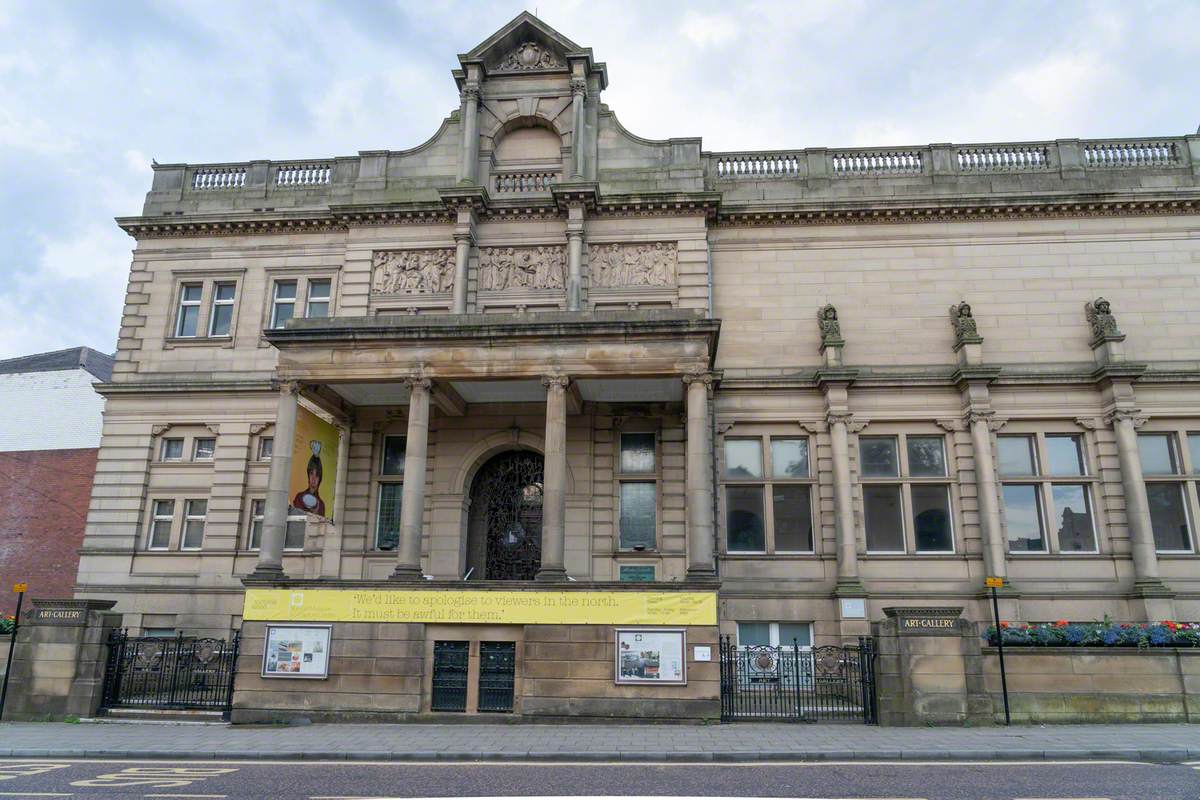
point(412, 499)
point(468, 158)
point(554, 481)
point(701, 530)
point(270, 552)
point(575, 217)
point(331, 547)
point(578, 96)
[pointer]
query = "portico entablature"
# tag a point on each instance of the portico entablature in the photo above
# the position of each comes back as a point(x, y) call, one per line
point(502, 346)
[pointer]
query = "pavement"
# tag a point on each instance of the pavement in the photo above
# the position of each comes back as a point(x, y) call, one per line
point(739, 742)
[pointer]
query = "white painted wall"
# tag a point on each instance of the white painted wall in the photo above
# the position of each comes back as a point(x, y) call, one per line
point(49, 411)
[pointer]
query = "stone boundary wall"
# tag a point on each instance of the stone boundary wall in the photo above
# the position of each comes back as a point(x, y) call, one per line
point(569, 669)
point(375, 672)
point(1095, 684)
point(5, 641)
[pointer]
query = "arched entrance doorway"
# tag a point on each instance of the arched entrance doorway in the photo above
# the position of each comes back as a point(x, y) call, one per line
point(504, 529)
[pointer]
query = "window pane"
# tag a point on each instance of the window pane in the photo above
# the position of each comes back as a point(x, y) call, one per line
point(318, 290)
point(1064, 455)
point(754, 633)
point(317, 310)
point(191, 293)
point(744, 519)
point(1158, 457)
point(1024, 518)
point(188, 315)
point(637, 452)
point(1168, 516)
point(393, 455)
point(743, 458)
point(878, 454)
point(293, 534)
point(926, 457)
point(224, 292)
point(193, 525)
point(285, 290)
point(636, 572)
point(1194, 448)
point(1015, 454)
point(256, 523)
point(222, 319)
point(793, 517)
point(204, 449)
point(931, 519)
point(266, 447)
point(789, 458)
point(798, 633)
point(638, 513)
point(885, 525)
point(160, 528)
point(1075, 531)
point(387, 527)
point(283, 312)
point(172, 449)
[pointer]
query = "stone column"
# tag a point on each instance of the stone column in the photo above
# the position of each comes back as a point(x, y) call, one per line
point(331, 548)
point(574, 266)
point(554, 482)
point(462, 255)
point(995, 550)
point(412, 497)
point(1137, 506)
point(468, 154)
point(270, 550)
point(843, 502)
point(578, 95)
point(701, 531)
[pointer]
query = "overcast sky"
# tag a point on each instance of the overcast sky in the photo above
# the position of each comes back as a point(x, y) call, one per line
point(90, 91)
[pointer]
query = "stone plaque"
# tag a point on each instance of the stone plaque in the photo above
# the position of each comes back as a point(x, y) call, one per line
point(60, 616)
point(926, 621)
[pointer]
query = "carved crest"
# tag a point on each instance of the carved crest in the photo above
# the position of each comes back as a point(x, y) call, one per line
point(502, 268)
point(527, 56)
point(620, 265)
point(1100, 318)
point(413, 272)
point(831, 329)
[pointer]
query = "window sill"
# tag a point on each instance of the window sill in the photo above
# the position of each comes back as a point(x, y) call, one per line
point(635, 553)
point(172, 342)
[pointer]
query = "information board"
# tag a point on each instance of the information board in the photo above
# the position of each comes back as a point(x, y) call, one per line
point(651, 656)
point(296, 651)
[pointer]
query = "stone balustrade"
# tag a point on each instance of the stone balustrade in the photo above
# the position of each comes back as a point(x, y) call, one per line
point(209, 179)
point(524, 182)
point(306, 174)
point(1131, 154)
point(853, 164)
point(1004, 158)
point(736, 165)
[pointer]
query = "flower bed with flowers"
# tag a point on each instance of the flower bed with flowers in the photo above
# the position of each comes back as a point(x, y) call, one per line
point(1097, 634)
point(6, 624)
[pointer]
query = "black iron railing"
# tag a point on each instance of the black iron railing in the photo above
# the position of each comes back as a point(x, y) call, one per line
point(181, 672)
point(497, 668)
point(450, 664)
point(794, 683)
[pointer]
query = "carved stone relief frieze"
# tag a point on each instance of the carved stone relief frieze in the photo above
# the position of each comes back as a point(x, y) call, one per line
point(413, 272)
point(502, 268)
point(616, 266)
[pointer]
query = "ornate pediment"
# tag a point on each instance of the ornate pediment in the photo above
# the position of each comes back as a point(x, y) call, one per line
point(530, 56)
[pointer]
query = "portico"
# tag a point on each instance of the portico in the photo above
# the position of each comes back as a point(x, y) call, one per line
point(502, 367)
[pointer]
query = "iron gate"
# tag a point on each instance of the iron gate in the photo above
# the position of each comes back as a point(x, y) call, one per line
point(181, 672)
point(497, 669)
point(790, 683)
point(450, 663)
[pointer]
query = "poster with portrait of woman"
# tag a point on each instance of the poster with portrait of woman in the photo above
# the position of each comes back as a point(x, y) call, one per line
point(313, 480)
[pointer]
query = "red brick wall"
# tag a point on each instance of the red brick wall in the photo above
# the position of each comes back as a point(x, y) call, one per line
point(43, 508)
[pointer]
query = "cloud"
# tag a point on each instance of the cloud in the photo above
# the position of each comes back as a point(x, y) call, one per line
point(708, 29)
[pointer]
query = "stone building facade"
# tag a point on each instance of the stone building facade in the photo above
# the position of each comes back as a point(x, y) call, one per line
point(819, 382)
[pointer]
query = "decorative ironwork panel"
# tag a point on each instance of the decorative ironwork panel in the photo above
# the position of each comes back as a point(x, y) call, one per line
point(182, 672)
point(510, 498)
point(450, 660)
point(497, 671)
point(790, 683)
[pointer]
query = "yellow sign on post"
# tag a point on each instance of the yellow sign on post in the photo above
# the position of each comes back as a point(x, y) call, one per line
point(20, 588)
point(993, 583)
point(496, 607)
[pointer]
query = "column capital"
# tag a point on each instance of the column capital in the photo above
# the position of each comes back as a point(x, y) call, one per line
point(698, 376)
point(418, 382)
point(464, 237)
point(853, 424)
point(469, 93)
point(579, 87)
point(1133, 415)
point(290, 387)
point(993, 422)
point(556, 383)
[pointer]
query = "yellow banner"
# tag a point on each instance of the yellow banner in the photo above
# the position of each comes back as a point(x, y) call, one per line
point(497, 607)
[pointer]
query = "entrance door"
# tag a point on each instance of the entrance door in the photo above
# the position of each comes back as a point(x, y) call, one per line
point(497, 670)
point(450, 664)
point(505, 528)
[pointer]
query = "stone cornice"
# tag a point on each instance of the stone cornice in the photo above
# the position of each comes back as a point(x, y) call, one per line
point(173, 386)
point(963, 209)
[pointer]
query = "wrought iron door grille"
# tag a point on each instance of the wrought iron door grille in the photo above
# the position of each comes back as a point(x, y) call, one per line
point(450, 660)
point(511, 498)
point(497, 670)
point(790, 683)
point(181, 672)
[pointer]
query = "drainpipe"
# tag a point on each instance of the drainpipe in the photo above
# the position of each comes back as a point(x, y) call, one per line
point(712, 421)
